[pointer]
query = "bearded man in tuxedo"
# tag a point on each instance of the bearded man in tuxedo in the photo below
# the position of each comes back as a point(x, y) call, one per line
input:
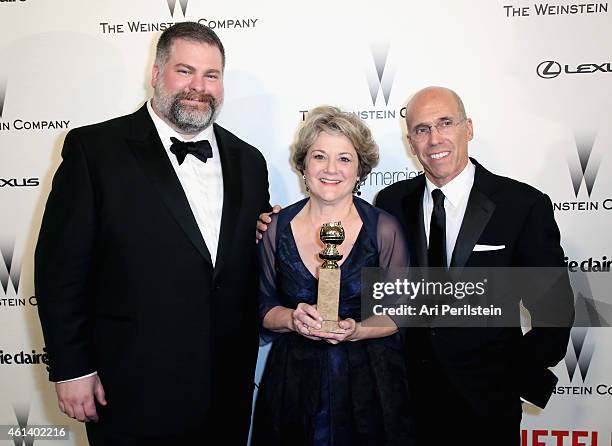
point(146, 267)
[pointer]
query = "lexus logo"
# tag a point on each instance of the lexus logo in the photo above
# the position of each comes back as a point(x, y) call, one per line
point(383, 78)
point(10, 271)
point(22, 182)
point(579, 353)
point(2, 94)
point(549, 69)
point(587, 166)
point(172, 6)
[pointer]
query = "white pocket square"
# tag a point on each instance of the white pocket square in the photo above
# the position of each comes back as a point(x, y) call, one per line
point(488, 247)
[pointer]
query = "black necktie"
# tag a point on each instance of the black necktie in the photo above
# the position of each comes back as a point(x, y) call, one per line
point(200, 149)
point(437, 232)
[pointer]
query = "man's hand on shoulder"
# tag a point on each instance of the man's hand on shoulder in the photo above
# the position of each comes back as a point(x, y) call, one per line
point(76, 398)
point(264, 221)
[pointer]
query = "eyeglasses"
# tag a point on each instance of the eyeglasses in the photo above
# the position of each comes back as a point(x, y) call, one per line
point(444, 127)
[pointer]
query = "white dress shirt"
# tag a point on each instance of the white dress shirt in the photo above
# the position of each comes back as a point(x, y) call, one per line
point(456, 194)
point(202, 182)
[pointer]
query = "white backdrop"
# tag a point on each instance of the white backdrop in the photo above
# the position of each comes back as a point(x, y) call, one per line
point(536, 80)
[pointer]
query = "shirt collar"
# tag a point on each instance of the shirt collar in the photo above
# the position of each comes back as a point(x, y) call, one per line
point(166, 132)
point(457, 189)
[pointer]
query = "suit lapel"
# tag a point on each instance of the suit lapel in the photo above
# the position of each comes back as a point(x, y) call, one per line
point(151, 155)
point(232, 195)
point(477, 214)
point(412, 205)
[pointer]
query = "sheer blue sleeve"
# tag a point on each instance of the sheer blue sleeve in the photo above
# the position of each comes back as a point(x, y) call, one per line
point(392, 249)
point(267, 296)
point(392, 245)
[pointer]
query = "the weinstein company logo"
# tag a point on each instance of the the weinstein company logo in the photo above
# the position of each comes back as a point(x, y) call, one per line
point(22, 413)
point(10, 271)
point(2, 94)
point(578, 363)
point(172, 6)
point(24, 434)
point(579, 353)
point(25, 124)
point(139, 26)
point(382, 79)
point(586, 167)
point(583, 165)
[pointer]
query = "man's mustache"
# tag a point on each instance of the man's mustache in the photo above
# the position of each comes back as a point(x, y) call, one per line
point(207, 98)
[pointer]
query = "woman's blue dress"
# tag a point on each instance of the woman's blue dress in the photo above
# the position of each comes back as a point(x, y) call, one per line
point(316, 393)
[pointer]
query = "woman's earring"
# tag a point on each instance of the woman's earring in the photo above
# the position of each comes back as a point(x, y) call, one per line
point(305, 184)
point(357, 187)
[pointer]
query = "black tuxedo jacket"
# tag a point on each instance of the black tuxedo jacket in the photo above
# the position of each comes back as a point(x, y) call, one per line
point(126, 286)
point(491, 367)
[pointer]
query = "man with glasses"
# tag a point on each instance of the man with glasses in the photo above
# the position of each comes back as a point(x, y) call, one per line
point(469, 382)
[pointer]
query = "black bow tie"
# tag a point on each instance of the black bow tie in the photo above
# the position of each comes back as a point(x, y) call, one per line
point(200, 149)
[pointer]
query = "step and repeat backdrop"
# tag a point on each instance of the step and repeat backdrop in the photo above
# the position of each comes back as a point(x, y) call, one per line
point(536, 79)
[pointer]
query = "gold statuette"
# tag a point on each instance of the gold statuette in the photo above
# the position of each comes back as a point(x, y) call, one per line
point(332, 235)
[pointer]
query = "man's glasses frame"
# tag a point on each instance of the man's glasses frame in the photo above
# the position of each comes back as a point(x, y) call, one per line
point(444, 126)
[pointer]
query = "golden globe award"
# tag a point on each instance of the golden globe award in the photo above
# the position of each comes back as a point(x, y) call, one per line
point(328, 297)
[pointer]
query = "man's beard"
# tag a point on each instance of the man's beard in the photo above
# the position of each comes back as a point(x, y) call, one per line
point(188, 119)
